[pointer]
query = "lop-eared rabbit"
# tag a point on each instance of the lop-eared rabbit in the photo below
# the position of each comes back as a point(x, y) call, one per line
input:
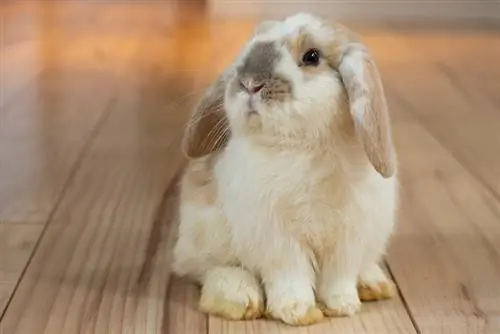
point(290, 194)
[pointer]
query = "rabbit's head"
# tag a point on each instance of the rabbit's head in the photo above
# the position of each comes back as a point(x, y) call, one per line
point(297, 81)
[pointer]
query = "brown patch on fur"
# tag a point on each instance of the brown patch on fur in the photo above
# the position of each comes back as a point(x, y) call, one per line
point(375, 292)
point(277, 89)
point(208, 127)
point(295, 45)
point(303, 43)
point(298, 46)
point(375, 133)
point(231, 310)
point(343, 37)
point(199, 180)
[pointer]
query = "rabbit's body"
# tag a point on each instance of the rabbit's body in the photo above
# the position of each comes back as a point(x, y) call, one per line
point(301, 210)
point(288, 203)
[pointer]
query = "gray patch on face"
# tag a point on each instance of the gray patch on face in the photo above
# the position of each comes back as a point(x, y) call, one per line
point(260, 61)
point(259, 65)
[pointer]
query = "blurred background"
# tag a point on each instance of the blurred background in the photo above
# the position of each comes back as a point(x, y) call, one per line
point(94, 96)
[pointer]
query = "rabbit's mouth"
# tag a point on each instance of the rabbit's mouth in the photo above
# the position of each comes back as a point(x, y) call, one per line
point(252, 106)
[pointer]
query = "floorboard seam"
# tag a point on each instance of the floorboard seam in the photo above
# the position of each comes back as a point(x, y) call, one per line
point(442, 143)
point(77, 166)
point(403, 299)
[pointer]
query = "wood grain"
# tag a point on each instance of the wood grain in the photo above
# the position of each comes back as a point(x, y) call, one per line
point(94, 99)
point(16, 246)
point(182, 314)
point(46, 121)
point(464, 117)
point(445, 256)
point(87, 275)
point(103, 264)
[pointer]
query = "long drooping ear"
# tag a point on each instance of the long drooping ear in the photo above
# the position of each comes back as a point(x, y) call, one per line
point(208, 130)
point(368, 105)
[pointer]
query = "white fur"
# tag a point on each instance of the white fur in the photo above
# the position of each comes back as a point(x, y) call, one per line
point(308, 219)
point(354, 67)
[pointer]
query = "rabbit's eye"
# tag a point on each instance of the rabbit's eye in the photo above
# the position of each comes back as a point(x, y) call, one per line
point(311, 57)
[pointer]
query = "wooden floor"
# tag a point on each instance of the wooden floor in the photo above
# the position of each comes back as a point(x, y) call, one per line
point(94, 96)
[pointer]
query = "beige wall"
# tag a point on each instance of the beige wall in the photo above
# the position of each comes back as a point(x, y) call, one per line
point(363, 9)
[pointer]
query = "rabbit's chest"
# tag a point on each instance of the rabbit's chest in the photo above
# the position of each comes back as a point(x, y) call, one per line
point(263, 175)
point(289, 189)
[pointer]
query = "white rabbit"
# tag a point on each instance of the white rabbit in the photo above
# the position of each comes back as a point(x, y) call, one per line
point(290, 194)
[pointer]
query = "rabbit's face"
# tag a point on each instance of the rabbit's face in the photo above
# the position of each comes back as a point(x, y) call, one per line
point(284, 84)
point(299, 81)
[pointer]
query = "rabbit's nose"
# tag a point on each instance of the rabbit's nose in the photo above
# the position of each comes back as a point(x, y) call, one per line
point(252, 86)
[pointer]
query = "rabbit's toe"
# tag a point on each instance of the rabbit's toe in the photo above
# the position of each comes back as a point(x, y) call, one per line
point(232, 293)
point(341, 305)
point(297, 314)
point(375, 285)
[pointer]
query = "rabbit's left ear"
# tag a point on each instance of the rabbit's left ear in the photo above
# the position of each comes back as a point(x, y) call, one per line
point(368, 106)
point(208, 129)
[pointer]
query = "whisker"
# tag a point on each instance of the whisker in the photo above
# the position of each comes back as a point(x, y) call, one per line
point(221, 137)
point(218, 135)
point(223, 130)
point(215, 130)
point(193, 120)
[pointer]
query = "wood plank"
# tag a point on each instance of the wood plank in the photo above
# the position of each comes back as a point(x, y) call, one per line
point(462, 117)
point(16, 246)
point(103, 264)
point(45, 126)
point(183, 315)
point(491, 84)
point(42, 137)
point(39, 36)
point(445, 256)
point(86, 275)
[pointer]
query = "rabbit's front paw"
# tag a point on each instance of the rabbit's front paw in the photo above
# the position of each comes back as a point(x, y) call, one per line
point(373, 291)
point(292, 301)
point(297, 313)
point(341, 305)
point(232, 293)
point(374, 285)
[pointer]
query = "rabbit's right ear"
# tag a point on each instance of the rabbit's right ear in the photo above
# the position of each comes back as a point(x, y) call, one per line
point(207, 130)
point(367, 101)
point(368, 106)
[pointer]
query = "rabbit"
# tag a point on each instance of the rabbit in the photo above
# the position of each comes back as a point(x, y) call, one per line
point(290, 194)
